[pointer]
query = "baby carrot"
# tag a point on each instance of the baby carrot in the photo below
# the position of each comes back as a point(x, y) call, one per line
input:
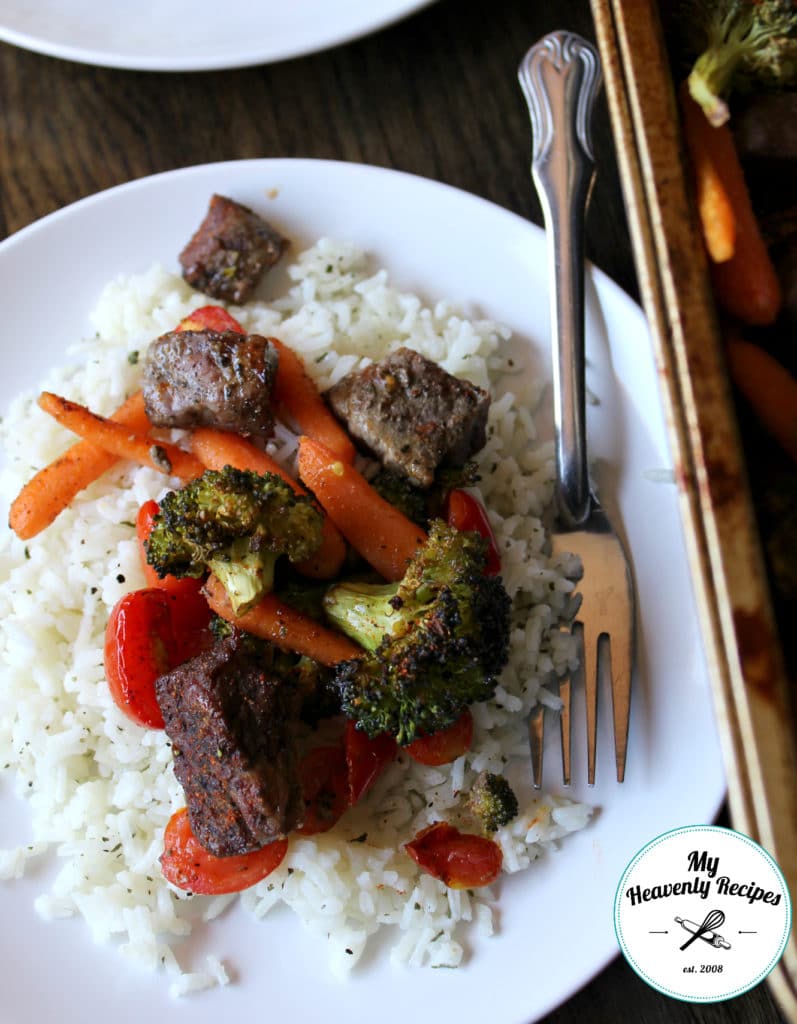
point(769, 388)
point(714, 206)
point(119, 439)
point(54, 487)
point(378, 531)
point(297, 394)
point(216, 449)
point(287, 628)
point(745, 282)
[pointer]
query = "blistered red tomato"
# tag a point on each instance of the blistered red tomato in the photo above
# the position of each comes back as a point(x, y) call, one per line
point(149, 632)
point(325, 786)
point(210, 318)
point(188, 865)
point(459, 859)
point(445, 745)
point(464, 512)
point(365, 759)
point(191, 617)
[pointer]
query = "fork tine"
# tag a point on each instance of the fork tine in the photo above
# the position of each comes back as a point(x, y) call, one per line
point(621, 655)
point(564, 728)
point(589, 662)
point(536, 737)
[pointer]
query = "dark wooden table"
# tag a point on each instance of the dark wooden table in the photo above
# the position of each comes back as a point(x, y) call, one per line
point(435, 95)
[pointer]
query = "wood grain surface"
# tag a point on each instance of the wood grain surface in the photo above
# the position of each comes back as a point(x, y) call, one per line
point(435, 95)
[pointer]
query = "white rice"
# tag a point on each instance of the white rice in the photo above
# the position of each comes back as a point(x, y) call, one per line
point(100, 789)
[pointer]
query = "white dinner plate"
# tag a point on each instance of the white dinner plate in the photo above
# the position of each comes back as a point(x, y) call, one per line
point(192, 35)
point(555, 921)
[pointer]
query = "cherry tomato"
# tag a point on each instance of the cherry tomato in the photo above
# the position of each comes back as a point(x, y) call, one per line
point(365, 759)
point(188, 865)
point(144, 522)
point(445, 745)
point(138, 641)
point(459, 859)
point(191, 617)
point(466, 513)
point(324, 777)
point(150, 632)
point(210, 318)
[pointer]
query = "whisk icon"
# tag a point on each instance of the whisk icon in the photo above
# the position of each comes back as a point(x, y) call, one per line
point(707, 931)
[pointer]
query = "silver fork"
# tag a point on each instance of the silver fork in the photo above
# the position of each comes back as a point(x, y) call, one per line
point(560, 77)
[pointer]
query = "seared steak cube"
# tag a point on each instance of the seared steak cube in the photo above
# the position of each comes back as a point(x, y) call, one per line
point(231, 726)
point(412, 414)
point(211, 379)
point(230, 251)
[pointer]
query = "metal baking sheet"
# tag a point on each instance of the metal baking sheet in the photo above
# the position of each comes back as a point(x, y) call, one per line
point(748, 673)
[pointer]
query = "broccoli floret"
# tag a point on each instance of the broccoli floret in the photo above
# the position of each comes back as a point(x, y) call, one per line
point(421, 506)
point(221, 628)
point(319, 699)
point(235, 523)
point(306, 596)
point(738, 40)
point(493, 801)
point(435, 642)
point(451, 475)
point(402, 495)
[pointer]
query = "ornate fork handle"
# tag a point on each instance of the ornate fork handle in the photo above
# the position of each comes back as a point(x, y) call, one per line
point(560, 77)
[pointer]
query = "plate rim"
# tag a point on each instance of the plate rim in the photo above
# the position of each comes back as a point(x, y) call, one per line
point(142, 181)
point(177, 62)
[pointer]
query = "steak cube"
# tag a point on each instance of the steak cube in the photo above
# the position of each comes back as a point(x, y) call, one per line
point(231, 724)
point(412, 414)
point(211, 379)
point(230, 251)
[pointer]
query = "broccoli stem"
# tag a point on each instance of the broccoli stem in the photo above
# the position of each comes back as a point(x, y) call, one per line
point(736, 34)
point(246, 575)
point(715, 67)
point(704, 88)
point(364, 611)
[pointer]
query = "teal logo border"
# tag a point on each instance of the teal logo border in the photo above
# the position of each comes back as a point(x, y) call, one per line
point(629, 956)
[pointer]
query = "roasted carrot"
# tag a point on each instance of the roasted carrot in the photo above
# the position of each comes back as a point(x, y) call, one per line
point(288, 629)
point(745, 282)
point(714, 206)
point(52, 489)
point(769, 388)
point(298, 396)
point(378, 531)
point(120, 440)
point(216, 449)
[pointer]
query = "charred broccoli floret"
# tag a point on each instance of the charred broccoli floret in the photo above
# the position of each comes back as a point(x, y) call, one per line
point(753, 40)
point(493, 801)
point(421, 506)
point(306, 596)
point(435, 642)
point(402, 495)
point(450, 475)
point(234, 523)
